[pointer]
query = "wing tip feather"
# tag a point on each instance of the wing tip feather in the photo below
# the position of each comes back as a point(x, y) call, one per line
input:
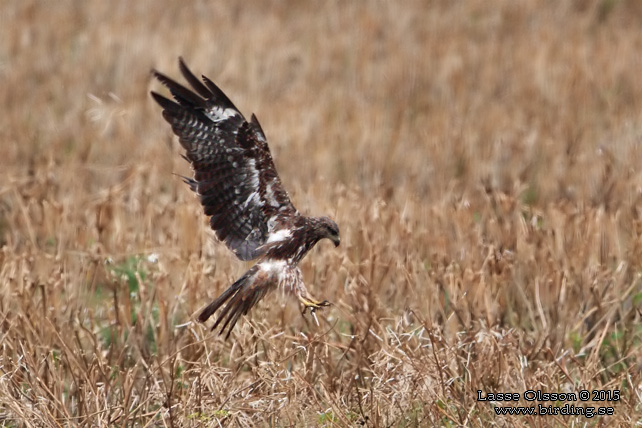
point(188, 105)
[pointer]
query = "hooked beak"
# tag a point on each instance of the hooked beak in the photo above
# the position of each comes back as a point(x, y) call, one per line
point(336, 240)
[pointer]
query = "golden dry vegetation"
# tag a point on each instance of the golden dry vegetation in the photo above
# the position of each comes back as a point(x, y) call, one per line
point(481, 158)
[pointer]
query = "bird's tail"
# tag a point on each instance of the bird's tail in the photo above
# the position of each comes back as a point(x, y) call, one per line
point(242, 296)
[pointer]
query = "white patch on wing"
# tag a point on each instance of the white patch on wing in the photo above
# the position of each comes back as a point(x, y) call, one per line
point(271, 223)
point(217, 114)
point(254, 180)
point(249, 199)
point(269, 195)
point(281, 235)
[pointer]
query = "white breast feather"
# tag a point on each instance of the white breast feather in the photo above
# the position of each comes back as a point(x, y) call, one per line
point(274, 266)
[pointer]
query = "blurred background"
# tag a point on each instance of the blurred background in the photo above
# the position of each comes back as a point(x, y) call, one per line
point(482, 160)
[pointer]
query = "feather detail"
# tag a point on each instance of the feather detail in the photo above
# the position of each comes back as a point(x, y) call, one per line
point(234, 173)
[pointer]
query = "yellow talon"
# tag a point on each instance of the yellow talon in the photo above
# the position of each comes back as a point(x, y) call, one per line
point(313, 305)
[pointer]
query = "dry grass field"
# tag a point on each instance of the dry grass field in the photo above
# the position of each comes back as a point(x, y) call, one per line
point(482, 159)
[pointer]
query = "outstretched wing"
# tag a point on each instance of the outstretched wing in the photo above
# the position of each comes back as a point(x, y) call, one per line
point(234, 174)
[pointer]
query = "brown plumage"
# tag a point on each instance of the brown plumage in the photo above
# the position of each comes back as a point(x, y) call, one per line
point(240, 190)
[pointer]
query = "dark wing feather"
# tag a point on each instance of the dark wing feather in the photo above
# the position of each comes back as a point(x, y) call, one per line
point(234, 173)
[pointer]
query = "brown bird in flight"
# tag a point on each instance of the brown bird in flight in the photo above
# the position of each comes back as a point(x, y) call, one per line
point(240, 190)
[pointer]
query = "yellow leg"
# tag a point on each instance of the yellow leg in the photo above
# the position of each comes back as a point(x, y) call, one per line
point(311, 304)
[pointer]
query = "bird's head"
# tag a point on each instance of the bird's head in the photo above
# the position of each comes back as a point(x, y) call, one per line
point(329, 229)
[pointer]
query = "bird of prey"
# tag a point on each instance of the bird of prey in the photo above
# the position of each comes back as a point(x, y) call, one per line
point(240, 190)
